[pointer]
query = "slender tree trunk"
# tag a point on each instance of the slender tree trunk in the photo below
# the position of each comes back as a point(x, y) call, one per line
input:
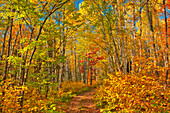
point(9, 67)
point(133, 34)
point(60, 64)
point(122, 50)
point(48, 66)
point(167, 65)
point(72, 69)
point(117, 29)
point(8, 50)
point(115, 48)
point(152, 35)
point(87, 69)
point(54, 70)
point(91, 70)
point(7, 55)
point(3, 44)
point(125, 47)
point(17, 73)
point(67, 70)
point(110, 67)
point(75, 60)
point(23, 69)
point(114, 43)
point(63, 54)
point(140, 36)
point(49, 55)
point(84, 77)
point(79, 71)
point(64, 46)
point(97, 73)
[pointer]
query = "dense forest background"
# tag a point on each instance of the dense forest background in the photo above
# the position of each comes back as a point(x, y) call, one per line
point(51, 50)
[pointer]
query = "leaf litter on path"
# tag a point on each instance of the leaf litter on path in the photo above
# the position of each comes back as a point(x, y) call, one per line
point(83, 103)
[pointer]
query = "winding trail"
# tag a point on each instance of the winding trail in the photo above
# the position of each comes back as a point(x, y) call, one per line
point(83, 103)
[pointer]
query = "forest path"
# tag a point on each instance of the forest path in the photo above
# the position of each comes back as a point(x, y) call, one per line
point(83, 103)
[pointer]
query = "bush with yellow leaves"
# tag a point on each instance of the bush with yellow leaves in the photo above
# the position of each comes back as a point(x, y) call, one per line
point(130, 93)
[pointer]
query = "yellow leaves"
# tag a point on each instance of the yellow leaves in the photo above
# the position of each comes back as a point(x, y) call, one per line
point(33, 109)
point(54, 108)
point(10, 99)
point(132, 92)
point(22, 87)
point(143, 86)
point(34, 1)
point(117, 95)
point(118, 73)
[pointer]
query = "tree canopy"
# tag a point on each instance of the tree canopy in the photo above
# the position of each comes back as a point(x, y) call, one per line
point(52, 49)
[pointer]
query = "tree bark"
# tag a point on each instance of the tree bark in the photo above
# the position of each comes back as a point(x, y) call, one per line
point(67, 67)
point(84, 76)
point(3, 44)
point(125, 47)
point(140, 36)
point(91, 70)
point(87, 69)
point(152, 36)
point(8, 50)
point(133, 34)
point(167, 65)
point(106, 44)
point(75, 59)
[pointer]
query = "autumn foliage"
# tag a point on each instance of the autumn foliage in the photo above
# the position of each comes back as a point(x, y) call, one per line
point(36, 101)
point(51, 50)
point(127, 93)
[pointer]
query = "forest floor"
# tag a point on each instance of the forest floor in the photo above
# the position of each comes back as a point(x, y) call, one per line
point(83, 103)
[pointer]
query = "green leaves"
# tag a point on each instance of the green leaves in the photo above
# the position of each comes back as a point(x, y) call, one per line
point(61, 58)
point(15, 60)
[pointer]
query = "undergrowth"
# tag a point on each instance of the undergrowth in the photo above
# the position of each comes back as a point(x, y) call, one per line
point(35, 99)
point(131, 93)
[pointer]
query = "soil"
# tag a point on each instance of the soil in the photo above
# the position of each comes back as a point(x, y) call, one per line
point(83, 103)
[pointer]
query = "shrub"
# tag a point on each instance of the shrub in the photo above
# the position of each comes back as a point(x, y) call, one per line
point(130, 93)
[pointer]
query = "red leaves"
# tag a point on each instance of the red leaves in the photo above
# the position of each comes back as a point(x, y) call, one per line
point(168, 4)
point(81, 61)
point(100, 58)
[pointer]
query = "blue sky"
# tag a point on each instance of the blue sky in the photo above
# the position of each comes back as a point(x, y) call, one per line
point(77, 3)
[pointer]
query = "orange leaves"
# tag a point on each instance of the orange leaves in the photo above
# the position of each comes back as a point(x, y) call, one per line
point(132, 93)
point(9, 101)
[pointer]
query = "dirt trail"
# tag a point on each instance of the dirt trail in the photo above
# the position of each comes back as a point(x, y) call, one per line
point(83, 103)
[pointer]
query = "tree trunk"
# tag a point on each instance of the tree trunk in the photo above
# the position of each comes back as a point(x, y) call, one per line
point(91, 70)
point(84, 77)
point(63, 54)
point(3, 44)
point(152, 35)
point(125, 47)
point(67, 67)
point(167, 65)
point(72, 68)
point(79, 72)
point(117, 30)
point(75, 59)
point(110, 67)
point(8, 50)
point(87, 69)
point(133, 34)
point(140, 35)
